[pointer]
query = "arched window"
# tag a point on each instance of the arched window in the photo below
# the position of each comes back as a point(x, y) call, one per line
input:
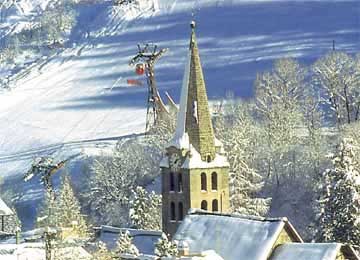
point(203, 181)
point(172, 211)
point(215, 206)
point(181, 211)
point(204, 205)
point(172, 181)
point(180, 184)
point(214, 181)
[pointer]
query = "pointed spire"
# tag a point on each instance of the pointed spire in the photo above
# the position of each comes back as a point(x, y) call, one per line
point(194, 121)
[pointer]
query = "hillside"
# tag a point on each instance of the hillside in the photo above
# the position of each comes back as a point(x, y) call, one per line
point(78, 99)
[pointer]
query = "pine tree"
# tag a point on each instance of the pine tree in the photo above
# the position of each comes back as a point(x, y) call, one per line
point(67, 211)
point(165, 248)
point(145, 209)
point(125, 245)
point(237, 135)
point(339, 204)
point(102, 253)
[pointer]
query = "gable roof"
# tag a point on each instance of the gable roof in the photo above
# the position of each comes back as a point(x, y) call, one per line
point(4, 209)
point(233, 236)
point(311, 251)
point(144, 240)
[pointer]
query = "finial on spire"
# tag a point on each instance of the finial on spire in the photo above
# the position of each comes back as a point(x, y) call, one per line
point(192, 24)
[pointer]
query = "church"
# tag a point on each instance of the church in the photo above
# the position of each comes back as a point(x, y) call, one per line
point(195, 171)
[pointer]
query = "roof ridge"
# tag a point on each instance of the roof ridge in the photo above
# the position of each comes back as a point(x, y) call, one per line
point(193, 211)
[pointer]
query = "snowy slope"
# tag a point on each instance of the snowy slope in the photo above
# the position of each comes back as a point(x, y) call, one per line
point(16, 15)
point(74, 97)
point(78, 99)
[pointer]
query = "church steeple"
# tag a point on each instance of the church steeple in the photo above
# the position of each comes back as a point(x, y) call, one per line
point(195, 172)
point(194, 120)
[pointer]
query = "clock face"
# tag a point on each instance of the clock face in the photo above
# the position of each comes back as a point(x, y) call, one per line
point(174, 162)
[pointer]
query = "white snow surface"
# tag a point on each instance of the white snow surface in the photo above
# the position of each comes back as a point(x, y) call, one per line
point(181, 138)
point(231, 237)
point(307, 251)
point(71, 97)
point(144, 240)
point(36, 251)
point(194, 161)
point(208, 255)
point(78, 100)
point(4, 209)
point(33, 251)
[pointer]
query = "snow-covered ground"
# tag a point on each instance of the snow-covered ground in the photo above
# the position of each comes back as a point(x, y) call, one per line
point(78, 100)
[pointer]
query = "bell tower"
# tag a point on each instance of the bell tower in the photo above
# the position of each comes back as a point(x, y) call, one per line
point(195, 171)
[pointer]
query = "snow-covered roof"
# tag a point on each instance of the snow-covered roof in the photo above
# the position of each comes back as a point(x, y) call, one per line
point(218, 143)
point(208, 255)
point(307, 251)
point(76, 252)
point(181, 138)
point(180, 141)
point(231, 236)
point(144, 240)
point(33, 251)
point(4, 209)
point(194, 161)
point(36, 251)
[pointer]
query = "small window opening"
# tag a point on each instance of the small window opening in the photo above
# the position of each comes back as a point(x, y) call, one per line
point(215, 206)
point(172, 211)
point(172, 181)
point(181, 211)
point(180, 183)
point(203, 181)
point(204, 205)
point(214, 181)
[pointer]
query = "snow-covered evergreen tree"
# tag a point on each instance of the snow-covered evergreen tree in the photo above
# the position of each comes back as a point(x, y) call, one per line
point(63, 212)
point(165, 247)
point(237, 135)
point(339, 204)
point(125, 245)
point(68, 214)
point(145, 211)
point(102, 253)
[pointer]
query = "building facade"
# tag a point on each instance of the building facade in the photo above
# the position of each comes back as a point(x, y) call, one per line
point(195, 171)
point(8, 219)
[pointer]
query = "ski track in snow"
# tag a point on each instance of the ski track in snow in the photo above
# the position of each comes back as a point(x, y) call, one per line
point(79, 99)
